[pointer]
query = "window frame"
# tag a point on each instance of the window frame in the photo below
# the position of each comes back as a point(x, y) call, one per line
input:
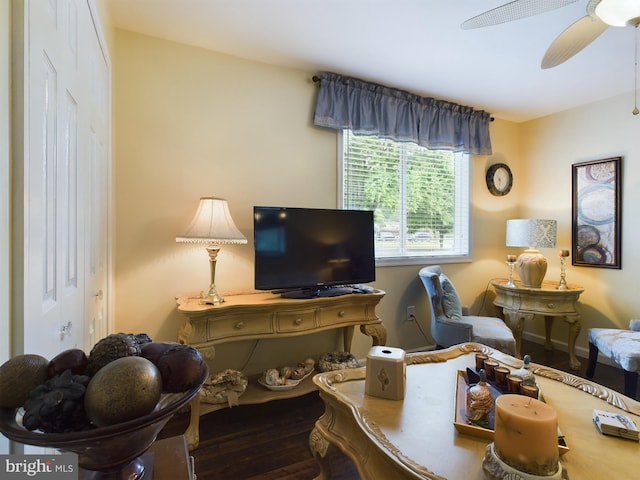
point(428, 259)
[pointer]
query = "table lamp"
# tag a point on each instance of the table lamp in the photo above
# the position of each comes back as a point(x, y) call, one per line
point(533, 234)
point(214, 226)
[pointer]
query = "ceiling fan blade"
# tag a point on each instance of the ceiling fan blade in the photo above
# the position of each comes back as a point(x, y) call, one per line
point(513, 11)
point(572, 40)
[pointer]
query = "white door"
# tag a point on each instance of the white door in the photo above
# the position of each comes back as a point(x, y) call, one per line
point(97, 197)
point(61, 179)
point(66, 157)
point(54, 277)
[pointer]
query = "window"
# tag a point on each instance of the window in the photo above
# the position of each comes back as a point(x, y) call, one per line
point(420, 197)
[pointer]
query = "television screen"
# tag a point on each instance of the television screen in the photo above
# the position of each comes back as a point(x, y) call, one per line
point(311, 250)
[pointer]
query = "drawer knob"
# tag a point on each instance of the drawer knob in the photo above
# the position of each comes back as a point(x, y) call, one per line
point(298, 321)
point(551, 305)
point(342, 313)
point(240, 325)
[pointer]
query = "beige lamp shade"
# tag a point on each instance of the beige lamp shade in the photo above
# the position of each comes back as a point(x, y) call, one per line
point(212, 223)
point(214, 226)
point(533, 234)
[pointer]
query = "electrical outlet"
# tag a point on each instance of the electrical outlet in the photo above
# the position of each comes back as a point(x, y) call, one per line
point(411, 313)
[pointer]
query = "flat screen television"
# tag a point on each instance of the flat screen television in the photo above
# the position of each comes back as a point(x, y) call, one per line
point(308, 252)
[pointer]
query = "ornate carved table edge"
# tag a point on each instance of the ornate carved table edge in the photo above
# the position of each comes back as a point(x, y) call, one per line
point(545, 287)
point(436, 356)
point(328, 435)
point(610, 396)
point(324, 438)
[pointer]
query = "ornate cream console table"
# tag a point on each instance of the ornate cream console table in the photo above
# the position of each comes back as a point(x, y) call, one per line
point(522, 303)
point(415, 438)
point(262, 315)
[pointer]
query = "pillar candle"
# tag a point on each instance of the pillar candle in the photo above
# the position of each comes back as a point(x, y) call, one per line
point(526, 434)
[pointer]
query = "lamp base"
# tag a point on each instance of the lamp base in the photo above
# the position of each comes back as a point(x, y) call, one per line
point(531, 267)
point(212, 297)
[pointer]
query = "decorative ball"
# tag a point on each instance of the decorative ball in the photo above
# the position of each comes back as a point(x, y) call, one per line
point(72, 359)
point(181, 368)
point(18, 376)
point(122, 390)
point(154, 350)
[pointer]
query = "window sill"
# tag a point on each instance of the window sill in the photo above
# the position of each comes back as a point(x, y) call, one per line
point(423, 260)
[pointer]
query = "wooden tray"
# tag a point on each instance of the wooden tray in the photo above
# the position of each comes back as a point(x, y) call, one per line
point(464, 426)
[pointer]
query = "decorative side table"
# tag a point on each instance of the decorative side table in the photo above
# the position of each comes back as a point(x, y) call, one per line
point(262, 315)
point(523, 303)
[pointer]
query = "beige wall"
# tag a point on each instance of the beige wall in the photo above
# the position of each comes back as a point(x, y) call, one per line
point(190, 122)
point(550, 145)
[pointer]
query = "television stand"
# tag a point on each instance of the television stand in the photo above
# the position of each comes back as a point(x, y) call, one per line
point(307, 293)
point(262, 315)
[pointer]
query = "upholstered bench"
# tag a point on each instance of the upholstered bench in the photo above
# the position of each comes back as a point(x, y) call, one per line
point(621, 346)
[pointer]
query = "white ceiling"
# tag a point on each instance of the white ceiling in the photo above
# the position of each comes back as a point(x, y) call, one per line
point(416, 45)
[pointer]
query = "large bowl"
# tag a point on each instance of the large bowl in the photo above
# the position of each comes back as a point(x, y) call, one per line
point(112, 452)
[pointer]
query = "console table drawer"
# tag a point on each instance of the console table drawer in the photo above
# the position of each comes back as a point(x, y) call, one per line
point(341, 314)
point(296, 321)
point(541, 304)
point(235, 326)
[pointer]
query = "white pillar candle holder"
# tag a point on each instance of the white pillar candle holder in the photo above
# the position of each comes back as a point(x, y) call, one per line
point(495, 469)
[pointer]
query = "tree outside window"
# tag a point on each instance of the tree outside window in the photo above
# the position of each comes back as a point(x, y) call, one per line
point(420, 197)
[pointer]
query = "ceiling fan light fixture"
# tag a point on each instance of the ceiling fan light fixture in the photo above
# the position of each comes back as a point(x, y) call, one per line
point(619, 13)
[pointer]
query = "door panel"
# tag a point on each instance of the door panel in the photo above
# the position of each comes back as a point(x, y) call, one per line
point(97, 198)
point(54, 284)
point(63, 208)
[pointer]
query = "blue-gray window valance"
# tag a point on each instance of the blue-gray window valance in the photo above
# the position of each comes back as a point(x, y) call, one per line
point(372, 109)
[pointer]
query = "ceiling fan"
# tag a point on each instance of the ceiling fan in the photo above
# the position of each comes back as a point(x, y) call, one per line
point(601, 14)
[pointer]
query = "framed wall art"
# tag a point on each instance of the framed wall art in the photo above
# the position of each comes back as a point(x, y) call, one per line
point(596, 227)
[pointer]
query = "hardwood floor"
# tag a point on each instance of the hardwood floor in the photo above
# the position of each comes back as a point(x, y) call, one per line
point(267, 442)
point(270, 441)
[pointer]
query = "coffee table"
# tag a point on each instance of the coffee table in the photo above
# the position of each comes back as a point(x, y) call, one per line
point(415, 438)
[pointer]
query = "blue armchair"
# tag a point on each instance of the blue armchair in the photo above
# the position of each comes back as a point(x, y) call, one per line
point(451, 323)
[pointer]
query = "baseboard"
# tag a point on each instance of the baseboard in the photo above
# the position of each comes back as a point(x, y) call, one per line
point(564, 347)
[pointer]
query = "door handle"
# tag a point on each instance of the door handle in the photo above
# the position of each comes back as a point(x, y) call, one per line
point(65, 330)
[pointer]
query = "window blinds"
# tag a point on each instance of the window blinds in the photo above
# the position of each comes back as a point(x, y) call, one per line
point(420, 196)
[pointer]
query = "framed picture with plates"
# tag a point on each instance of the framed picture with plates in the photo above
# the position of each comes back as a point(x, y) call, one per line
point(596, 206)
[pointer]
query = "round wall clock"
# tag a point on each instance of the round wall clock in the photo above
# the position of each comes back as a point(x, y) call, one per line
point(499, 179)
